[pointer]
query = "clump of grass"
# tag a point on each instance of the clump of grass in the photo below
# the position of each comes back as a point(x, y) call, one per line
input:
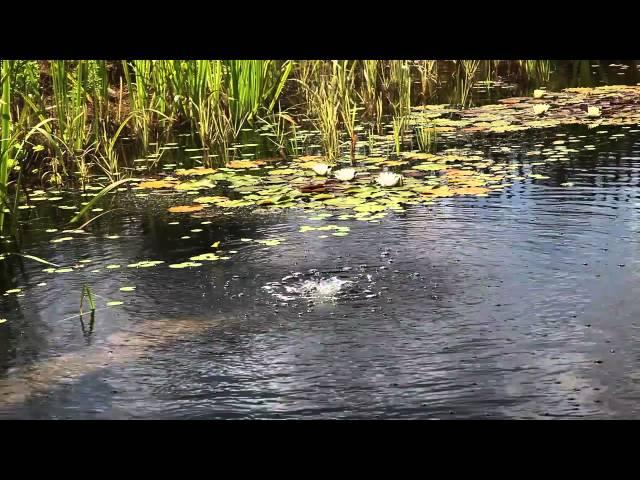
point(101, 194)
point(397, 86)
point(538, 69)
point(369, 91)
point(428, 70)
point(465, 74)
point(425, 137)
point(86, 292)
point(282, 128)
point(344, 73)
point(398, 133)
point(324, 108)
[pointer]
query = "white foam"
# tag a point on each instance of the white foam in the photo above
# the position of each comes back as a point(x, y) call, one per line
point(323, 288)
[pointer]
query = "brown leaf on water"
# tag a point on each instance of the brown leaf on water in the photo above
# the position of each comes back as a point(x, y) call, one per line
point(510, 101)
point(582, 90)
point(186, 208)
point(195, 171)
point(156, 184)
point(245, 163)
point(310, 158)
point(313, 188)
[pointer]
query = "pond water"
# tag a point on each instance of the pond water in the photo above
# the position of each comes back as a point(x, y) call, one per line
point(517, 305)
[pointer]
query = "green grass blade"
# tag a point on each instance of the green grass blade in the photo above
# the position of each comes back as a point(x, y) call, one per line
point(33, 257)
point(98, 197)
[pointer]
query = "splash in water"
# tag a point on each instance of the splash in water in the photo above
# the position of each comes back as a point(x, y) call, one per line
point(322, 288)
point(317, 288)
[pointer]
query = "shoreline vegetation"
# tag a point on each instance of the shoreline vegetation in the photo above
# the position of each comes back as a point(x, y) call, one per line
point(67, 123)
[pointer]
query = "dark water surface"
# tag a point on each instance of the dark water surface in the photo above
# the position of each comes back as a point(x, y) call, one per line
point(523, 304)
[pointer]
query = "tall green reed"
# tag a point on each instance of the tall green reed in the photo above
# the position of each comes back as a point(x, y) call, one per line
point(5, 135)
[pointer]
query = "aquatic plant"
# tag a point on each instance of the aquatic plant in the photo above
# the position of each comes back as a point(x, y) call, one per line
point(345, 174)
point(465, 74)
point(86, 292)
point(321, 169)
point(398, 133)
point(94, 104)
point(5, 135)
point(541, 108)
point(252, 84)
point(343, 72)
point(101, 194)
point(282, 129)
point(428, 70)
point(539, 70)
point(396, 84)
point(593, 111)
point(369, 92)
point(389, 179)
point(324, 108)
point(426, 137)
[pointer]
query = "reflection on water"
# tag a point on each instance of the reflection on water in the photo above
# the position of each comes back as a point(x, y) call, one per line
point(521, 304)
point(517, 80)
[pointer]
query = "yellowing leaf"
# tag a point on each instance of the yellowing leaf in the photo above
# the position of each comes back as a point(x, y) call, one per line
point(186, 208)
point(245, 163)
point(195, 171)
point(156, 184)
point(205, 256)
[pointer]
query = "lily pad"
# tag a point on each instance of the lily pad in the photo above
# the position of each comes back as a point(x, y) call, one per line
point(205, 256)
point(61, 239)
point(185, 265)
point(145, 264)
point(186, 208)
point(271, 242)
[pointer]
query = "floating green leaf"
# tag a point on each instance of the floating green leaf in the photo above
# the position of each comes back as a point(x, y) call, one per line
point(185, 265)
point(61, 239)
point(145, 264)
point(270, 242)
point(205, 256)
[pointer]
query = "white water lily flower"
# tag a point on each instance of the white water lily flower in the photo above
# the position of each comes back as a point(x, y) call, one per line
point(593, 112)
point(540, 108)
point(321, 168)
point(389, 179)
point(345, 174)
point(538, 93)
